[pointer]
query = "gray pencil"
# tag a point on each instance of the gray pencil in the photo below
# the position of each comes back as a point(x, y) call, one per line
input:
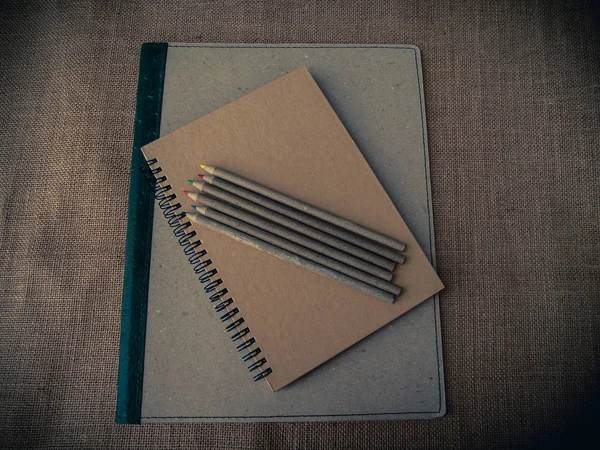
point(297, 238)
point(301, 206)
point(291, 257)
point(280, 219)
point(305, 218)
point(297, 249)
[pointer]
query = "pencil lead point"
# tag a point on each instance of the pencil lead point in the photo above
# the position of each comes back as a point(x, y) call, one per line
point(200, 175)
point(186, 192)
point(191, 181)
point(202, 166)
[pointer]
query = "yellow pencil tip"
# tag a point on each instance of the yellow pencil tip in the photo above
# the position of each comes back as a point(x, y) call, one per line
point(202, 166)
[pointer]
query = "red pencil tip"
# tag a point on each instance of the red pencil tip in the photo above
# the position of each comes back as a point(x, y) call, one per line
point(186, 192)
point(200, 175)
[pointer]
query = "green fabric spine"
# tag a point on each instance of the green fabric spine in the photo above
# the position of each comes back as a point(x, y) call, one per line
point(153, 59)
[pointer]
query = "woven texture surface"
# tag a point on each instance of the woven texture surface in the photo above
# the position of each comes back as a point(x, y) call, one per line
point(513, 101)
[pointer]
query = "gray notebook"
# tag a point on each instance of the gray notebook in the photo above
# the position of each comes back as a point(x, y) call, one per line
point(192, 371)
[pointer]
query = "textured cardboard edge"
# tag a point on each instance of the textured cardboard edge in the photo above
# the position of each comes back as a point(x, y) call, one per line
point(139, 235)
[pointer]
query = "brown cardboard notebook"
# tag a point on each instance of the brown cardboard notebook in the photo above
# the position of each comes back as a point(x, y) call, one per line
point(286, 136)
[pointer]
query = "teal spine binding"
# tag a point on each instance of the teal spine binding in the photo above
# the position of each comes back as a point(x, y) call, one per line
point(153, 58)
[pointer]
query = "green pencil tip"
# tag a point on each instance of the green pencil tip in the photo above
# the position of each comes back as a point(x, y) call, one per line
point(191, 181)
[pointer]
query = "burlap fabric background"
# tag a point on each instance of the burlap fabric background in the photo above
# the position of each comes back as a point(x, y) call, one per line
point(513, 100)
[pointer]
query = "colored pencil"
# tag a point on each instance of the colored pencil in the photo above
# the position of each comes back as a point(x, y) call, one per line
point(295, 237)
point(306, 219)
point(299, 250)
point(289, 256)
point(304, 207)
point(280, 219)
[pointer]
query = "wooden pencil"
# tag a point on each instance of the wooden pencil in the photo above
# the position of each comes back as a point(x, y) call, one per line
point(280, 219)
point(305, 218)
point(301, 206)
point(292, 247)
point(289, 256)
point(295, 237)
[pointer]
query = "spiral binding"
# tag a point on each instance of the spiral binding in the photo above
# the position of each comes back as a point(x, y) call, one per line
point(166, 202)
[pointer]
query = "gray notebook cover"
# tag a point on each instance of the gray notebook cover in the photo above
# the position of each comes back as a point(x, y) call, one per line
point(192, 371)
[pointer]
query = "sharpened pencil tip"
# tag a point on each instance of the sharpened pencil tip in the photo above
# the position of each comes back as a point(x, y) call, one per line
point(200, 175)
point(186, 192)
point(201, 209)
point(191, 181)
point(202, 166)
point(194, 206)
